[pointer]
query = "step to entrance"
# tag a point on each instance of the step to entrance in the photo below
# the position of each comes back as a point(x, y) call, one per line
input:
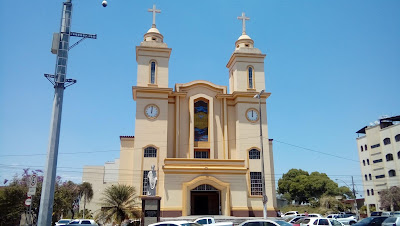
point(218, 218)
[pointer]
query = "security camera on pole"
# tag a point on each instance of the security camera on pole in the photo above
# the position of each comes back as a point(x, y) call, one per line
point(60, 47)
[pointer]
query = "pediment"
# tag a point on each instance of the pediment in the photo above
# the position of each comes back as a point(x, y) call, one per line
point(200, 83)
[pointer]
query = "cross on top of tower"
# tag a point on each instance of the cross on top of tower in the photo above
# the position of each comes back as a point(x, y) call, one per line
point(154, 11)
point(243, 18)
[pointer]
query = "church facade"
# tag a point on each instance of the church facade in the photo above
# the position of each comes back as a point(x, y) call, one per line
point(203, 139)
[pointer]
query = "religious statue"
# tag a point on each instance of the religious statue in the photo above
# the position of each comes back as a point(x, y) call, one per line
point(151, 185)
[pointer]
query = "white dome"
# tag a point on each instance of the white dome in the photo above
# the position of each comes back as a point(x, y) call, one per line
point(153, 30)
point(244, 37)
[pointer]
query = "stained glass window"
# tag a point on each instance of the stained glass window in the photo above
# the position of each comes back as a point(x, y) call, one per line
point(200, 121)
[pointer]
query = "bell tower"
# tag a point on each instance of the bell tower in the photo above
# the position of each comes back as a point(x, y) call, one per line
point(246, 65)
point(152, 57)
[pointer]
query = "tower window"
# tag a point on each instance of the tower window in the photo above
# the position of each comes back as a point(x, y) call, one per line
point(392, 173)
point(370, 176)
point(389, 157)
point(150, 152)
point(250, 72)
point(368, 161)
point(372, 191)
point(362, 149)
point(364, 162)
point(255, 183)
point(153, 72)
point(254, 154)
point(366, 177)
point(368, 192)
point(365, 147)
point(398, 155)
point(386, 141)
point(397, 138)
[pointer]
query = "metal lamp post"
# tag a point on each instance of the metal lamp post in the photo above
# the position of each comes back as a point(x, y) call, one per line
point(354, 194)
point(265, 198)
point(60, 47)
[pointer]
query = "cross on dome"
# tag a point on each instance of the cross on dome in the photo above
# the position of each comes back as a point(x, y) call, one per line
point(154, 11)
point(243, 18)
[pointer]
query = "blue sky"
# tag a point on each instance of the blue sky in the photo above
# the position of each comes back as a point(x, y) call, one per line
point(332, 67)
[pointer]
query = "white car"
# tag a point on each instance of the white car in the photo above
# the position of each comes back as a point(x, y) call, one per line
point(261, 222)
point(290, 213)
point(335, 222)
point(83, 221)
point(63, 222)
point(310, 221)
point(391, 221)
point(347, 219)
point(175, 223)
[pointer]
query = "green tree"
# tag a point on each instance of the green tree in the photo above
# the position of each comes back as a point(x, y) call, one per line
point(300, 186)
point(390, 198)
point(119, 202)
point(86, 191)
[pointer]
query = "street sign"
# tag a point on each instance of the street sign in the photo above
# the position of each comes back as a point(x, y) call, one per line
point(28, 202)
point(32, 185)
point(33, 181)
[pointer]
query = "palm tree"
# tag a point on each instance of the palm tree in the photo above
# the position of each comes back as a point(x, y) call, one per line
point(119, 202)
point(86, 190)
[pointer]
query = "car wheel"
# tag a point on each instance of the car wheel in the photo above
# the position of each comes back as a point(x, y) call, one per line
point(352, 222)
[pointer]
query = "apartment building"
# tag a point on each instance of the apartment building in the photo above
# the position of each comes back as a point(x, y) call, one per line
point(379, 153)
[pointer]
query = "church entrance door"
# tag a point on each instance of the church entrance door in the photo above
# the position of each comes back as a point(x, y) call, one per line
point(205, 200)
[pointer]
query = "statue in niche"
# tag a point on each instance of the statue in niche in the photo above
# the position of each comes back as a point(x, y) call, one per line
point(152, 178)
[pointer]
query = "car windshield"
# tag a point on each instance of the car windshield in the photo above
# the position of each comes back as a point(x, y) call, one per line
point(63, 221)
point(376, 214)
point(283, 223)
point(190, 224)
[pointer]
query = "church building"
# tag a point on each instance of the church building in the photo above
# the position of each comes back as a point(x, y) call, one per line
point(202, 138)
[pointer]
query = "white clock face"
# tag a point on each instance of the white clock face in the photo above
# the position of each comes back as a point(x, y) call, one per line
point(252, 115)
point(151, 111)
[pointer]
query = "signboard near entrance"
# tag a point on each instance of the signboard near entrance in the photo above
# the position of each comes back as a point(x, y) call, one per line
point(32, 185)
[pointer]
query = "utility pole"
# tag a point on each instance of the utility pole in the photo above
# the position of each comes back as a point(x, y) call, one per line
point(60, 82)
point(264, 196)
point(355, 198)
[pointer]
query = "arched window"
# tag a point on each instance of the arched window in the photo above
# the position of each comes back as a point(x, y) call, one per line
point(368, 192)
point(366, 177)
point(364, 162)
point(365, 147)
point(398, 155)
point(370, 177)
point(392, 173)
point(372, 191)
point(150, 152)
point(368, 161)
point(152, 72)
point(386, 141)
point(397, 138)
point(389, 157)
point(250, 74)
point(254, 154)
point(362, 149)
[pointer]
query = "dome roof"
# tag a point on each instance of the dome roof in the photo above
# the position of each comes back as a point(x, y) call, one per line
point(153, 30)
point(244, 36)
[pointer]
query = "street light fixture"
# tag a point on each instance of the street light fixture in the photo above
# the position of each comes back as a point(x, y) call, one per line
point(354, 194)
point(265, 198)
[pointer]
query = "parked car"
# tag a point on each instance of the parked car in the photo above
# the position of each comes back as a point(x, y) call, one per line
point(371, 221)
point(209, 221)
point(348, 219)
point(396, 213)
point(294, 219)
point(380, 213)
point(391, 221)
point(335, 222)
point(83, 221)
point(290, 213)
point(259, 222)
point(310, 221)
point(63, 222)
point(175, 223)
point(282, 223)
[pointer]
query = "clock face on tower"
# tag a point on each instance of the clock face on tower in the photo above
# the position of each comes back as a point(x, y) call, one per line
point(252, 115)
point(151, 111)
